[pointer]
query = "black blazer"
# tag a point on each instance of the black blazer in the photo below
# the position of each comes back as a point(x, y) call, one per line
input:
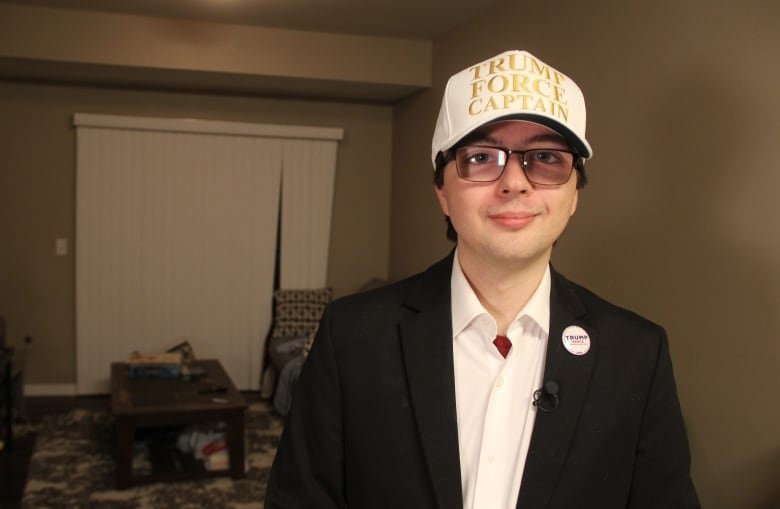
point(373, 420)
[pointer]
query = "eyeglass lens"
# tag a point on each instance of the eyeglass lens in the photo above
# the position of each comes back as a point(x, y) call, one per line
point(542, 166)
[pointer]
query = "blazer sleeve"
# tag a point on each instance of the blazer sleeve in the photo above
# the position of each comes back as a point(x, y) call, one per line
point(661, 477)
point(308, 471)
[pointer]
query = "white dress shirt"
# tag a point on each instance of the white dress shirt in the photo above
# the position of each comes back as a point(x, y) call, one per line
point(494, 395)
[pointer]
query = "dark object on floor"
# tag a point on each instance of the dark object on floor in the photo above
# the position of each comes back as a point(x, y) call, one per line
point(12, 362)
point(6, 444)
point(13, 470)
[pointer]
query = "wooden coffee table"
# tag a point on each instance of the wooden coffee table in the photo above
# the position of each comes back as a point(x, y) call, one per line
point(147, 403)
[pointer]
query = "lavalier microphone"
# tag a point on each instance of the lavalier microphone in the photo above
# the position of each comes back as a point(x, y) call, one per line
point(546, 399)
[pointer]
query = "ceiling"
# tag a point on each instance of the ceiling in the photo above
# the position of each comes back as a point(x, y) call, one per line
point(424, 20)
point(415, 19)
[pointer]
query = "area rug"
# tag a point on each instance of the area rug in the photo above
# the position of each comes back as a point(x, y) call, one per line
point(73, 467)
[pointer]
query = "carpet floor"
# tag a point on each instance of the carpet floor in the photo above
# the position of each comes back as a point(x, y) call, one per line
point(73, 467)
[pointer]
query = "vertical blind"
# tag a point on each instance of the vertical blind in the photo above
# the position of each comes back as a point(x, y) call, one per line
point(176, 236)
point(307, 198)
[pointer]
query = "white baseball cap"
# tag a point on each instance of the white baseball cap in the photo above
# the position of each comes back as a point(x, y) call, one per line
point(512, 85)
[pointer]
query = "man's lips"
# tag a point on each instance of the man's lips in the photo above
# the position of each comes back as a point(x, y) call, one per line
point(512, 219)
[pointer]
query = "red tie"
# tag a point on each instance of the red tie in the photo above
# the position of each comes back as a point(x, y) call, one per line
point(503, 344)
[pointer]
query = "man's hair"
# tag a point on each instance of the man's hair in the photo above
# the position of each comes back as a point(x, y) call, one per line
point(443, 158)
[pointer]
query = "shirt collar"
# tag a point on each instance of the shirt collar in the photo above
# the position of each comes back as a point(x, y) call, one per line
point(466, 306)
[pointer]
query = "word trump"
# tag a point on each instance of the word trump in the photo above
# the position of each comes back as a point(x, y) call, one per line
point(517, 82)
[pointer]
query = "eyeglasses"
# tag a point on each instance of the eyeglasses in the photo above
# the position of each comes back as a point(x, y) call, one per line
point(542, 166)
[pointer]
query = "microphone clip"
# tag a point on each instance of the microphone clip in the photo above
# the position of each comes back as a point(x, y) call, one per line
point(546, 399)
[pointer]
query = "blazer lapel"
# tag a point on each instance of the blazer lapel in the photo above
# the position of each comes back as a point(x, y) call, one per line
point(553, 431)
point(426, 340)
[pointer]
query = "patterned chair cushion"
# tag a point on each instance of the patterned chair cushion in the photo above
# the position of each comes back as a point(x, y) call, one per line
point(297, 312)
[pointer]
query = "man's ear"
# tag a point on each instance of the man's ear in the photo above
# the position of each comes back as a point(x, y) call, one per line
point(441, 194)
point(574, 202)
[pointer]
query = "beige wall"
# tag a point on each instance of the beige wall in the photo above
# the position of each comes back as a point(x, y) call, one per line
point(181, 54)
point(679, 221)
point(37, 196)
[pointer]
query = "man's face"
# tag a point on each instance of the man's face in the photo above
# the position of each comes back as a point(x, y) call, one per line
point(509, 221)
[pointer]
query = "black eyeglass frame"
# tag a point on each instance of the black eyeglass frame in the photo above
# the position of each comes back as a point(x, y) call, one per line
point(575, 164)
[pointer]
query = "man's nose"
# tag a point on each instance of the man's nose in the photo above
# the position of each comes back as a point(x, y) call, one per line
point(513, 180)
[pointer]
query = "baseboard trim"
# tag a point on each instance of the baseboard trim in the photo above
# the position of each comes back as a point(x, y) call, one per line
point(50, 389)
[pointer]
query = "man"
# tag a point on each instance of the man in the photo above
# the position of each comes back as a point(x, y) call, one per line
point(489, 381)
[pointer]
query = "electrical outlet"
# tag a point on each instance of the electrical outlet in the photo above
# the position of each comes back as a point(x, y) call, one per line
point(61, 247)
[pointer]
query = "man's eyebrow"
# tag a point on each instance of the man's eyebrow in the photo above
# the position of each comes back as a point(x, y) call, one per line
point(552, 137)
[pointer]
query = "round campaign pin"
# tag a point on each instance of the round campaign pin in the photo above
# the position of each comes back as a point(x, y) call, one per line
point(576, 340)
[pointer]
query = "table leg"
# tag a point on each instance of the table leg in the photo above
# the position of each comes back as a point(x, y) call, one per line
point(235, 444)
point(125, 434)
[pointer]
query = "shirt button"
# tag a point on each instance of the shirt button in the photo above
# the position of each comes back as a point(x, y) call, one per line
point(499, 381)
point(491, 457)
